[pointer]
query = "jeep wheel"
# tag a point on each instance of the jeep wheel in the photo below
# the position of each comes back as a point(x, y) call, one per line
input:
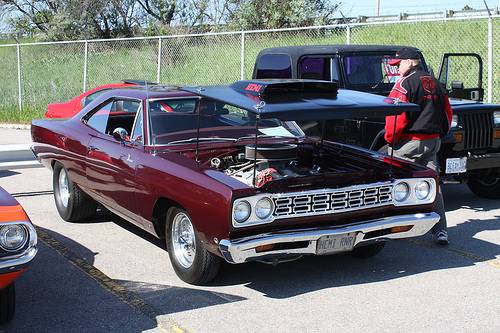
point(191, 261)
point(7, 303)
point(367, 251)
point(485, 185)
point(72, 204)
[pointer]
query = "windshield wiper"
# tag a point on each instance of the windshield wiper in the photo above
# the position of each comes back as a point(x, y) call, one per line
point(203, 140)
point(267, 136)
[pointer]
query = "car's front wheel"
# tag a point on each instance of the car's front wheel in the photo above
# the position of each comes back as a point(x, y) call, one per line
point(191, 261)
point(485, 185)
point(368, 251)
point(7, 303)
point(72, 203)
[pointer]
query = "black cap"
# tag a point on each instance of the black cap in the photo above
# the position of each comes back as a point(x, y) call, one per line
point(404, 53)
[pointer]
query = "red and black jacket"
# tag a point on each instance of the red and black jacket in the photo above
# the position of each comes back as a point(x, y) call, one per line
point(434, 118)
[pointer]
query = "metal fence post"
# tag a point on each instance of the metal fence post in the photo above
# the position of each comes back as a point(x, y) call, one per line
point(158, 71)
point(242, 56)
point(19, 80)
point(490, 60)
point(348, 33)
point(85, 64)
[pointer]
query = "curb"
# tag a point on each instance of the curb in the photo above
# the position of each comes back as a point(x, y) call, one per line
point(16, 126)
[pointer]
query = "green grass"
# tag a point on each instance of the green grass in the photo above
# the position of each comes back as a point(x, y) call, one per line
point(52, 73)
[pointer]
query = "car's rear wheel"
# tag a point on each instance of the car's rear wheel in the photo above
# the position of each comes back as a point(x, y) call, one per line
point(7, 303)
point(191, 261)
point(72, 203)
point(368, 251)
point(485, 185)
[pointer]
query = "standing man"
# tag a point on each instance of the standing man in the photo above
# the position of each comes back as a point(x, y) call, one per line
point(416, 136)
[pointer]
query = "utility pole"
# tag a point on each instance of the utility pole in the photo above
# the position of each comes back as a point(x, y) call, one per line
point(377, 13)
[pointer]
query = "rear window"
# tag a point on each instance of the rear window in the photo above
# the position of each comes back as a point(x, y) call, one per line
point(274, 66)
point(318, 68)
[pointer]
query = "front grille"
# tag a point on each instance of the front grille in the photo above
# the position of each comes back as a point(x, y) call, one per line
point(332, 200)
point(478, 129)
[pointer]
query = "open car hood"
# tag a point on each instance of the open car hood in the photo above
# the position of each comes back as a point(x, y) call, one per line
point(302, 100)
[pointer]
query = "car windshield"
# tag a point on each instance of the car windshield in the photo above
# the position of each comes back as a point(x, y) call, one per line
point(369, 69)
point(176, 121)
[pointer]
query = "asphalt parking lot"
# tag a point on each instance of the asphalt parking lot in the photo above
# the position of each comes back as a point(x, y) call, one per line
point(109, 276)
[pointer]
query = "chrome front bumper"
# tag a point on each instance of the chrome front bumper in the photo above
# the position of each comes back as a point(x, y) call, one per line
point(21, 260)
point(244, 249)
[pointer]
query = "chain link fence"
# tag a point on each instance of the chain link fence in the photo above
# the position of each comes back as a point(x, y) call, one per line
point(40, 73)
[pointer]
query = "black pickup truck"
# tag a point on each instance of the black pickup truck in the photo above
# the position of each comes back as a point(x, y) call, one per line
point(469, 153)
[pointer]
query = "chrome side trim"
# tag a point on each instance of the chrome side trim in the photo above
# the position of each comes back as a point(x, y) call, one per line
point(17, 261)
point(242, 250)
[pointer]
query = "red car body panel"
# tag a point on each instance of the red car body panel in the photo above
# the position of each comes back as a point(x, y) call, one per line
point(73, 106)
point(130, 178)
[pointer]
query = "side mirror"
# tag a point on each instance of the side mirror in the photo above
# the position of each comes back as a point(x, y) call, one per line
point(120, 134)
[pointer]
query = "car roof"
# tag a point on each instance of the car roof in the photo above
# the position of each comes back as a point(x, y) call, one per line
point(297, 51)
point(150, 92)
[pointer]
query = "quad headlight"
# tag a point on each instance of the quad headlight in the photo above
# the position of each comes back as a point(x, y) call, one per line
point(263, 208)
point(422, 190)
point(454, 121)
point(241, 211)
point(496, 116)
point(414, 191)
point(252, 210)
point(13, 237)
point(401, 192)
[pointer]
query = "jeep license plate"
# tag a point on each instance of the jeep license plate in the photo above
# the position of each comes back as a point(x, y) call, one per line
point(337, 243)
point(456, 165)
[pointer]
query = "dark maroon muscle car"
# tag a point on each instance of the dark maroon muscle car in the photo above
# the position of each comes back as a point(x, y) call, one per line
point(224, 172)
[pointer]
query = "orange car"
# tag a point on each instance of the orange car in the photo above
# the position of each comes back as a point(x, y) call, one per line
point(17, 249)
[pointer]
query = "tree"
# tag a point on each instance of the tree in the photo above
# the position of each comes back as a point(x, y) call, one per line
point(255, 14)
point(69, 19)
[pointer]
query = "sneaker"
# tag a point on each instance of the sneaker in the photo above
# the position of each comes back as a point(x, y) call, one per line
point(442, 238)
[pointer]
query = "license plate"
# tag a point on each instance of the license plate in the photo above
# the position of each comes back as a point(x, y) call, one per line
point(337, 243)
point(456, 165)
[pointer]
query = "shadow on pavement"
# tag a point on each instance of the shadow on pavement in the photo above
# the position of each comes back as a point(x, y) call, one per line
point(8, 173)
point(398, 259)
point(458, 196)
point(63, 292)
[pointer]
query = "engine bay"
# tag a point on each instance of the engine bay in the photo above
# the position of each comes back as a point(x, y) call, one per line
point(256, 167)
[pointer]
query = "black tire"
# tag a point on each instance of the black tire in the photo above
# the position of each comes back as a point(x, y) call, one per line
point(7, 303)
point(485, 186)
point(367, 251)
point(78, 206)
point(205, 265)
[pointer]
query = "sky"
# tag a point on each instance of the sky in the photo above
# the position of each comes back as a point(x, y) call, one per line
point(354, 8)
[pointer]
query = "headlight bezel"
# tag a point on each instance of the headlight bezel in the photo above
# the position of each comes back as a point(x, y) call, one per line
point(253, 218)
point(26, 237)
point(412, 198)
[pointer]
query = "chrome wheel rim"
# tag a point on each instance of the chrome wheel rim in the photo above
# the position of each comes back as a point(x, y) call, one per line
point(63, 188)
point(183, 240)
